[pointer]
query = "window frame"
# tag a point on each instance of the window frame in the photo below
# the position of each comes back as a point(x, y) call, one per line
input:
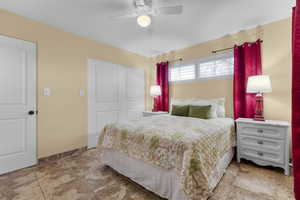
point(197, 62)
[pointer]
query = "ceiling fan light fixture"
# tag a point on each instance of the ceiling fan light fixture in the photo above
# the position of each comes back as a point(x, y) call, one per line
point(144, 20)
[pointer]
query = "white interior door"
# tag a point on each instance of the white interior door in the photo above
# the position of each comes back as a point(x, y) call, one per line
point(17, 99)
point(104, 97)
point(116, 93)
point(135, 93)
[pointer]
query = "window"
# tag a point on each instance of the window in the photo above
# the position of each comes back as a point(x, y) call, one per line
point(215, 67)
point(180, 73)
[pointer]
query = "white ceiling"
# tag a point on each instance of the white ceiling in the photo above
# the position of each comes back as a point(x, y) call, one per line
point(202, 20)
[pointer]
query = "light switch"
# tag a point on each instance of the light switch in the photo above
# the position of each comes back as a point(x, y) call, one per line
point(81, 92)
point(47, 91)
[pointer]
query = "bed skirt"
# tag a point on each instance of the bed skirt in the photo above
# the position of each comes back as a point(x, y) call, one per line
point(165, 183)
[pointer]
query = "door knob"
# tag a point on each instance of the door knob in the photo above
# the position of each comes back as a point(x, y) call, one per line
point(31, 112)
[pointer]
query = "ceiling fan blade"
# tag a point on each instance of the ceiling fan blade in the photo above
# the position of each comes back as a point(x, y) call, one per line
point(124, 15)
point(170, 10)
point(167, 2)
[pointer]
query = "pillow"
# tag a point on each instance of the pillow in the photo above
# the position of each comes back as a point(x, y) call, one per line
point(218, 106)
point(217, 109)
point(203, 102)
point(198, 102)
point(180, 110)
point(220, 102)
point(179, 103)
point(202, 112)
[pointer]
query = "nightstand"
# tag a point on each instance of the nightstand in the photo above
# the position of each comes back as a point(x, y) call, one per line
point(264, 142)
point(149, 113)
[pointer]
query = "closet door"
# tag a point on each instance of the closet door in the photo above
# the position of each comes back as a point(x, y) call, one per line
point(104, 97)
point(116, 94)
point(135, 93)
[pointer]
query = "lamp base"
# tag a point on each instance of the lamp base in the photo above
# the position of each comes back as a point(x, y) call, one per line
point(154, 109)
point(259, 115)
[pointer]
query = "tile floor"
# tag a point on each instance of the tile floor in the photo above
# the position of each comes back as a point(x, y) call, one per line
point(83, 177)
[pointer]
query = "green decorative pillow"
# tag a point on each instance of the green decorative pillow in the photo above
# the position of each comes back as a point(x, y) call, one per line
point(202, 112)
point(180, 110)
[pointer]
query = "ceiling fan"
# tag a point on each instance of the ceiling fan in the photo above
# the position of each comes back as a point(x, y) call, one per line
point(145, 9)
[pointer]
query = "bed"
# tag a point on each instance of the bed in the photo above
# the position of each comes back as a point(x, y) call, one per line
point(178, 158)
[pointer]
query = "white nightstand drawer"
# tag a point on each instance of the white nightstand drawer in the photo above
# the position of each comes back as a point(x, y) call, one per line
point(264, 143)
point(262, 131)
point(275, 157)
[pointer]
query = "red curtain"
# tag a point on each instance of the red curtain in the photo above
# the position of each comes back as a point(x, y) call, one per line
point(296, 98)
point(162, 79)
point(247, 62)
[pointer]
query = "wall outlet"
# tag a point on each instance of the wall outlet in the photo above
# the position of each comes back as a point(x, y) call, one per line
point(47, 91)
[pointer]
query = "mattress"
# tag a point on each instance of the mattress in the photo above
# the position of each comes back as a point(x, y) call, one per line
point(190, 147)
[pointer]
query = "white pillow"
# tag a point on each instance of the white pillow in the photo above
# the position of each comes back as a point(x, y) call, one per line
point(220, 107)
point(181, 102)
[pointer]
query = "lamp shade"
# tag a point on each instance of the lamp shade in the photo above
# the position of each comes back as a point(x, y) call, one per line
point(259, 84)
point(155, 90)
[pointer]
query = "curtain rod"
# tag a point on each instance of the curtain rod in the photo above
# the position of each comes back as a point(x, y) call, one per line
point(219, 50)
point(215, 51)
point(171, 61)
point(179, 59)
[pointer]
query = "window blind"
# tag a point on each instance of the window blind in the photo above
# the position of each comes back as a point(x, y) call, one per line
point(183, 73)
point(216, 68)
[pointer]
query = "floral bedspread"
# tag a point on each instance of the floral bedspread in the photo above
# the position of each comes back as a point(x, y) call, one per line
point(191, 146)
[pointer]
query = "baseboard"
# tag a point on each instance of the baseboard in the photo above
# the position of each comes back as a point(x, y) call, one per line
point(64, 154)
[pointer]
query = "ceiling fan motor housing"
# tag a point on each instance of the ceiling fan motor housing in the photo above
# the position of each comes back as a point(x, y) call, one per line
point(142, 3)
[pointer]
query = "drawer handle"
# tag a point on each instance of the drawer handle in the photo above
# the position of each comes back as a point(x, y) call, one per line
point(260, 153)
point(260, 131)
point(260, 142)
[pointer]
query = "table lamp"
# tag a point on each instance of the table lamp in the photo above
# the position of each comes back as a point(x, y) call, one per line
point(259, 84)
point(155, 91)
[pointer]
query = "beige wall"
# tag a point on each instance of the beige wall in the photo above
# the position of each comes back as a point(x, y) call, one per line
point(62, 66)
point(276, 59)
